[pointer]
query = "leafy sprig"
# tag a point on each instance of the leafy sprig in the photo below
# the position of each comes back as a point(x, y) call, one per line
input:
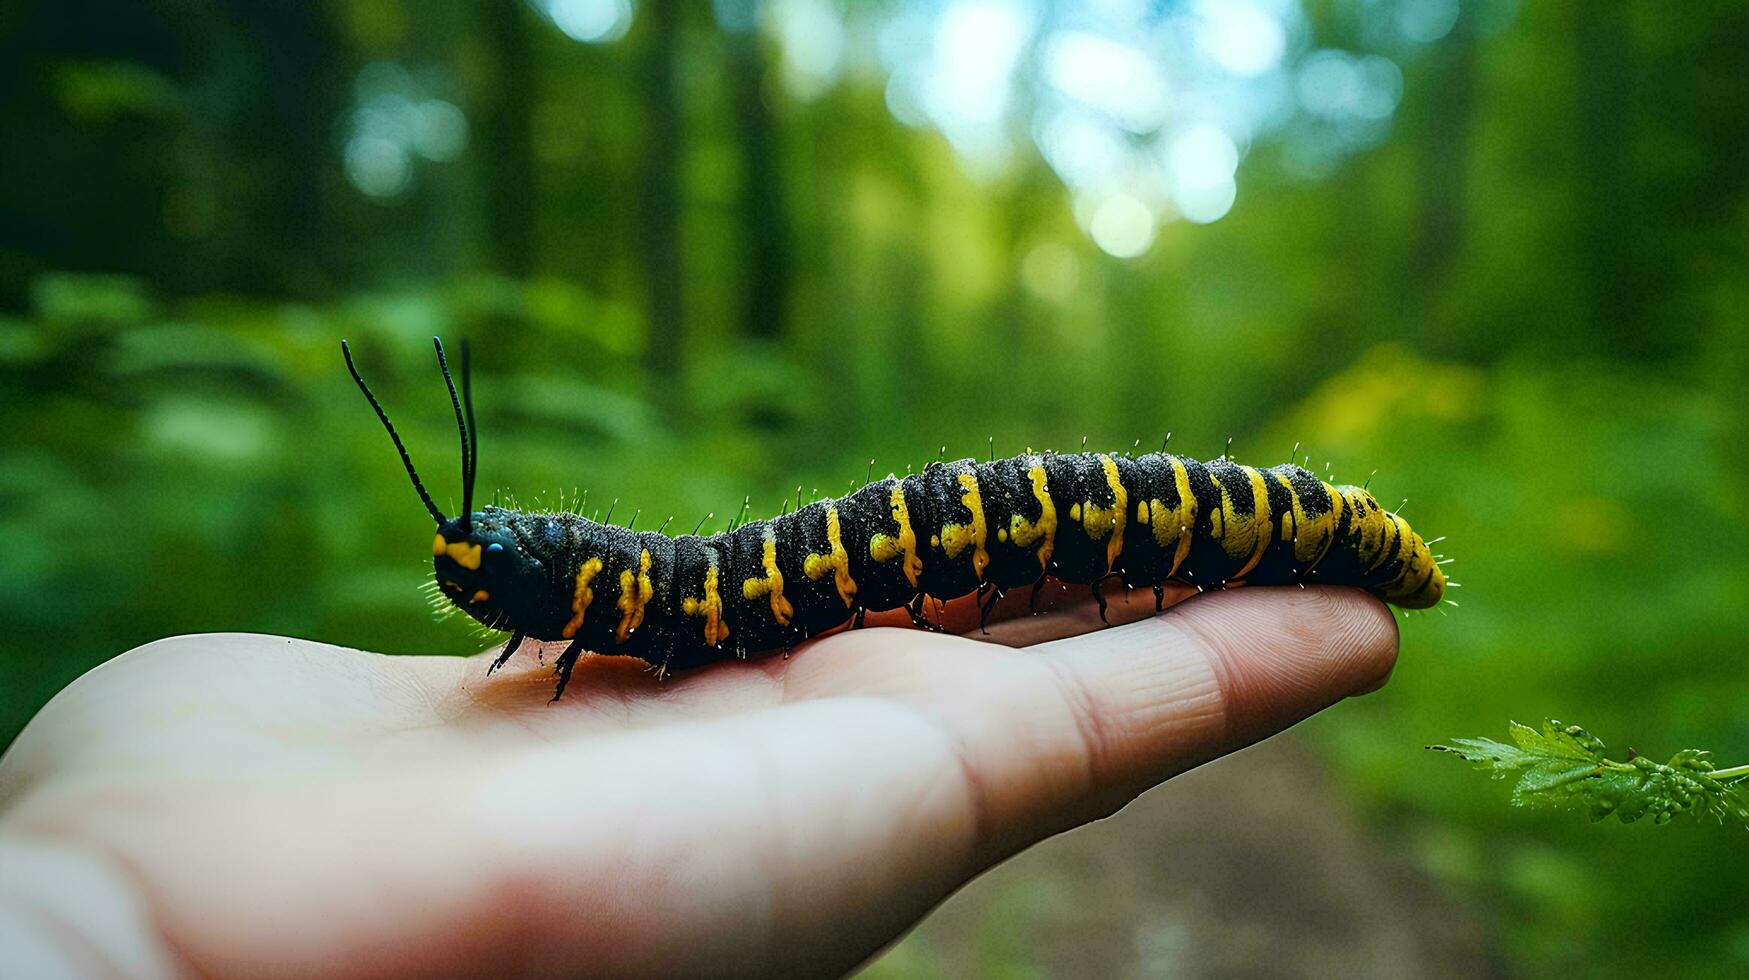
point(1564, 766)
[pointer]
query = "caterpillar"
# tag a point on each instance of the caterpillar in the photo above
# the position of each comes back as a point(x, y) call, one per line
point(954, 529)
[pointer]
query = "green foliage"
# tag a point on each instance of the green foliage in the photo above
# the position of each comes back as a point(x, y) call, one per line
point(1526, 307)
point(1564, 766)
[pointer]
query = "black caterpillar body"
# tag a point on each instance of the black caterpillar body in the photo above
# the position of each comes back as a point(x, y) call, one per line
point(956, 528)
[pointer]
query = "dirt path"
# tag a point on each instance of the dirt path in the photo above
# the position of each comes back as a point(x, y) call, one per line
point(1249, 867)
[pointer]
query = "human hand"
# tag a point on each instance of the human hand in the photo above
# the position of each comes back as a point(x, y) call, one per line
point(237, 804)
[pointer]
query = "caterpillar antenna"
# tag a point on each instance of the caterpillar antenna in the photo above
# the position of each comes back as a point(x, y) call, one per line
point(461, 426)
point(473, 431)
point(406, 460)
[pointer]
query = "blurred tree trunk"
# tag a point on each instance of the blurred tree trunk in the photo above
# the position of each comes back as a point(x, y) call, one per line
point(291, 150)
point(763, 216)
point(659, 213)
point(507, 130)
point(1607, 186)
point(1443, 165)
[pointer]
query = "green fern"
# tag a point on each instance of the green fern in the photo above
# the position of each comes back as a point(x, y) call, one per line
point(1564, 766)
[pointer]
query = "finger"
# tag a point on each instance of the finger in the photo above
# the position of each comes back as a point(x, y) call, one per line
point(1093, 720)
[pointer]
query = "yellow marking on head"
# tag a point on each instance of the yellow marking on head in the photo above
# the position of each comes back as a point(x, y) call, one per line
point(1074, 512)
point(582, 597)
point(1002, 534)
point(480, 596)
point(884, 547)
point(635, 590)
point(438, 545)
point(771, 584)
point(1141, 512)
point(955, 538)
point(1024, 532)
point(835, 561)
point(1172, 525)
point(710, 607)
point(1242, 536)
point(464, 554)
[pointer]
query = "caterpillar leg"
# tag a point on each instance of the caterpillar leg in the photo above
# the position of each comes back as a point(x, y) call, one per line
point(986, 606)
point(1159, 596)
point(856, 620)
point(563, 666)
point(509, 651)
point(1099, 594)
point(915, 608)
point(1032, 600)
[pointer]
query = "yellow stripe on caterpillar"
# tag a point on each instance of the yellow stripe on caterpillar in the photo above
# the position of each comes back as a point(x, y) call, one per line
point(1311, 536)
point(772, 584)
point(582, 597)
point(635, 590)
point(1024, 532)
point(710, 607)
point(836, 561)
point(1119, 511)
point(1243, 536)
point(884, 548)
point(955, 538)
point(1173, 525)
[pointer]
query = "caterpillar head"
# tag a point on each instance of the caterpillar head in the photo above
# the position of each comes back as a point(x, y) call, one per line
point(476, 557)
point(483, 568)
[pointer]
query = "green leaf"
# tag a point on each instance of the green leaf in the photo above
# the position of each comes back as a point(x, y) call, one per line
point(1566, 766)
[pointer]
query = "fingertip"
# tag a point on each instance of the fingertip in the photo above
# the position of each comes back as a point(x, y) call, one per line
point(1282, 654)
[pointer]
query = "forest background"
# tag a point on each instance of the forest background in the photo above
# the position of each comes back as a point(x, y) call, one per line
point(709, 252)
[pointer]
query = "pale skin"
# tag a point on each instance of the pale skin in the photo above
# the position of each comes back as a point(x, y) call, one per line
point(253, 805)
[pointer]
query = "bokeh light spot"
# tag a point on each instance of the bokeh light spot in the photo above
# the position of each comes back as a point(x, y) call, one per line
point(1122, 226)
point(1110, 76)
point(812, 37)
point(591, 21)
point(1200, 164)
point(377, 165)
point(440, 131)
point(1426, 21)
point(1081, 149)
point(1240, 36)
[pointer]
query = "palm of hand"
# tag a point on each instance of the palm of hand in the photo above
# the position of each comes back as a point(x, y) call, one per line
point(257, 804)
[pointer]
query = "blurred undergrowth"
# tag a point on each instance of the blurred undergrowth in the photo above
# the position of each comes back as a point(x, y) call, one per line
point(1517, 291)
